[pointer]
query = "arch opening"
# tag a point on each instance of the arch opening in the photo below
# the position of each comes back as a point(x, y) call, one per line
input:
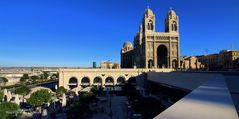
point(109, 81)
point(97, 81)
point(121, 81)
point(73, 82)
point(162, 56)
point(85, 81)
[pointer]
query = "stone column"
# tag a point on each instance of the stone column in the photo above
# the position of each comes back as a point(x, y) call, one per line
point(178, 52)
point(170, 54)
point(154, 54)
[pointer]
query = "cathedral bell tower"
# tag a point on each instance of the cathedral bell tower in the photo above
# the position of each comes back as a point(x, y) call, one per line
point(171, 22)
point(148, 21)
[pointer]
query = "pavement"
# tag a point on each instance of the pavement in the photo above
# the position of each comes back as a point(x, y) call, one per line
point(114, 110)
point(232, 83)
point(118, 107)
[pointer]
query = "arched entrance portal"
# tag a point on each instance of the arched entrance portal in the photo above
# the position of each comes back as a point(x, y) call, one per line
point(150, 63)
point(162, 56)
point(85, 81)
point(72, 82)
point(97, 81)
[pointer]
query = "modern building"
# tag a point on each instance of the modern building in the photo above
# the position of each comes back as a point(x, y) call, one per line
point(94, 65)
point(153, 49)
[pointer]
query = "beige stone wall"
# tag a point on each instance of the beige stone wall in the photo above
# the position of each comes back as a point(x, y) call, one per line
point(109, 65)
point(79, 74)
point(191, 63)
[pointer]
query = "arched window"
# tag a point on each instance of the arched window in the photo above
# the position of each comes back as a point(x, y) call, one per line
point(150, 25)
point(150, 63)
point(174, 26)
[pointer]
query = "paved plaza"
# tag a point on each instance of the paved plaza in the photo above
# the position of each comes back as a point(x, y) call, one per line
point(115, 110)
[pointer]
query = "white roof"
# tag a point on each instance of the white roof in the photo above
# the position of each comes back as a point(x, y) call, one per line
point(211, 100)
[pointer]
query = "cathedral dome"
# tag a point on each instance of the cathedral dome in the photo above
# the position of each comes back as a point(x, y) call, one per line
point(128, 44)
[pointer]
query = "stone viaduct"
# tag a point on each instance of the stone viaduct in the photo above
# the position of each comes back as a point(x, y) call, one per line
point(72, 78)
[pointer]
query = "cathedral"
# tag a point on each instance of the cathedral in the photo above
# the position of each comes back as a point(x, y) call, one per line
point(153, 49)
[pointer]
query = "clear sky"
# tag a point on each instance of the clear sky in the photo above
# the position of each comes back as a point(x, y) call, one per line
point(78, 32)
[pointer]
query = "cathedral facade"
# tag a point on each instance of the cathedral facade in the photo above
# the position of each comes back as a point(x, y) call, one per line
point(153, 49)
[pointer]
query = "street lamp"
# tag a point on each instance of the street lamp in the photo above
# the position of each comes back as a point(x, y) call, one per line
point(207, 59)
point(55, 97)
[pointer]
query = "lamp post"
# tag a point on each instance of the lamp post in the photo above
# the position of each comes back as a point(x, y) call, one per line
point(207, 59)
point(55, 97)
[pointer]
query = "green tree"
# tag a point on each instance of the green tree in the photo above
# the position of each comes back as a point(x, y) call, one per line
point(60, 90)
point(95, 90)
point(23, 90)
point(24, 77)
point(4, 79)
point(10, 107)
point(81, 109)
point(44, 75)
point(87, 97)
point(55, 76)
point(39, 98)
point(34, 78)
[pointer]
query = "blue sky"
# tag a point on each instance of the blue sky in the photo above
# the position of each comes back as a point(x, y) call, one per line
point(78, 32)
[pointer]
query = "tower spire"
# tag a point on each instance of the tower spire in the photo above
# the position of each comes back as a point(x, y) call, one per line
point(147, 4)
